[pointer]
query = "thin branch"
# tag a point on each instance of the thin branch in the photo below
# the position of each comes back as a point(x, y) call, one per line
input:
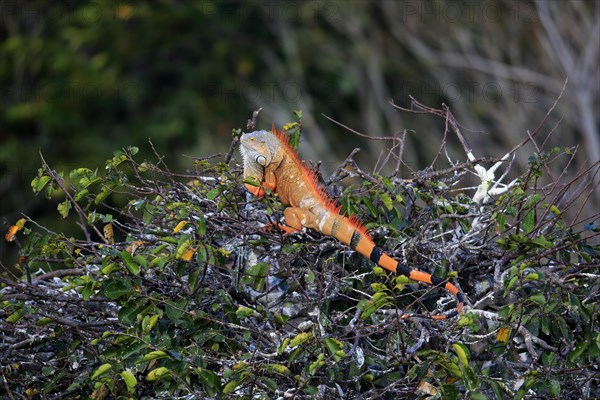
point(392, 138)
point(80, 212)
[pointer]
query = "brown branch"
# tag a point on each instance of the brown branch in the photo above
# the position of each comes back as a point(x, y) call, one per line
point(392, 138)
point(251, 125)
point(59, 273)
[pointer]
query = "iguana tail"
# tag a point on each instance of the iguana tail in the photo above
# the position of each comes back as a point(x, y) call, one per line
point(351, 233)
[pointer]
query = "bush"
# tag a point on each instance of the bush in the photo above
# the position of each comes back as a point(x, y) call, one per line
point(174, 289)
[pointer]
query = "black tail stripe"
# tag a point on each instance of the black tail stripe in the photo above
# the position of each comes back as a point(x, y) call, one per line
point(403, 270)
point(335, 226)
point(375, 254)
point(356, 236)
point(437, 281)
point(460, 297)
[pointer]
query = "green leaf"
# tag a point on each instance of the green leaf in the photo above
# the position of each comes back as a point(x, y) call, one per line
point(335, 347)
point(64, 208)
point(554, 388)
point(284, 344)
point(462, 352)
point(256, 276)
point(194, 279)
point(104, 192)
point(174, 310)
point(183, 246)
point(554, 210)
point(117, 288)
point(528, 222)
point(367, 202)
point(510, 284)
point(44, 321)
point(101, 370)
point(379, 300)
point(140, 260)
point(130, 264)
point(278, 369)
point(478, 396)
point(201, 225)
point(452, 368)
point(157, 374)
point(153, 355)
point(39, 183)
point(379, 287)
point(501, 220)
point(387, 201)
point(301, 338)
point(231, 386)
point(243, 312)
point(159, 262)
point(210, 381)
point(110, 268)
point(315, 366)
point(578, 350)
point(542, 242)
point(129, 380)
point(534, 276)
point(212, 194)
point(538, 298)
point(81, 194)
point(469, 377)
point(269, 383)
point(87, 290)
point(134, 309)
point(14, 317)
point(148, 322)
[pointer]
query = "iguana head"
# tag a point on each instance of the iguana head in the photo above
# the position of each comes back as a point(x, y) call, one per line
point(257, 150)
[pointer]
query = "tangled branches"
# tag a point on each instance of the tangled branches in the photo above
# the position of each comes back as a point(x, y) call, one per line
point(174, 288)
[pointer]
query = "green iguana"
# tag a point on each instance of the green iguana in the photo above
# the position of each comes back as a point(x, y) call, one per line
point(271, 163)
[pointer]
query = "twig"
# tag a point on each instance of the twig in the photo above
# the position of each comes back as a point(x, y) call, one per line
point(80, 212)
point(392, 138)
point(541, 124)
point(251, 125)
point(333, 177)
point(59, 274)
point(530, 338)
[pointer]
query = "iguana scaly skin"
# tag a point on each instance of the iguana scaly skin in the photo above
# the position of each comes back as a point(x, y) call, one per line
point(271, 163)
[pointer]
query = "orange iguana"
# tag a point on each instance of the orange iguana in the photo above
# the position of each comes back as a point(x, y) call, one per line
point(271, 163)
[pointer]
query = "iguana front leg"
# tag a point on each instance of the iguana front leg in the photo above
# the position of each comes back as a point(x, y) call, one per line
point(269, 182)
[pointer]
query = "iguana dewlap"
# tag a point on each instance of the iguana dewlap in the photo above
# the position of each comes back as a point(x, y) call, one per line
point(271, 163)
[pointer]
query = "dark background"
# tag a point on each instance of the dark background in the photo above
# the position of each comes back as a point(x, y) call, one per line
point(81, 79)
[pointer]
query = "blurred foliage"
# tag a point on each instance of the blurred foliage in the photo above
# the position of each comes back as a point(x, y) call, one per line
point(181, 292)
point(80, 78)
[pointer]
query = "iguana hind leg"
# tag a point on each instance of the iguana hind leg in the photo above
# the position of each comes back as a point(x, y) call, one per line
point(295, 219)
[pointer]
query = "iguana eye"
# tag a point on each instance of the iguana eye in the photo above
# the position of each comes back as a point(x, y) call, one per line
point(261, 160)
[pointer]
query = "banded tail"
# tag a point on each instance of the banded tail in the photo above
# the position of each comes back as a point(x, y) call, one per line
point(354, 235)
